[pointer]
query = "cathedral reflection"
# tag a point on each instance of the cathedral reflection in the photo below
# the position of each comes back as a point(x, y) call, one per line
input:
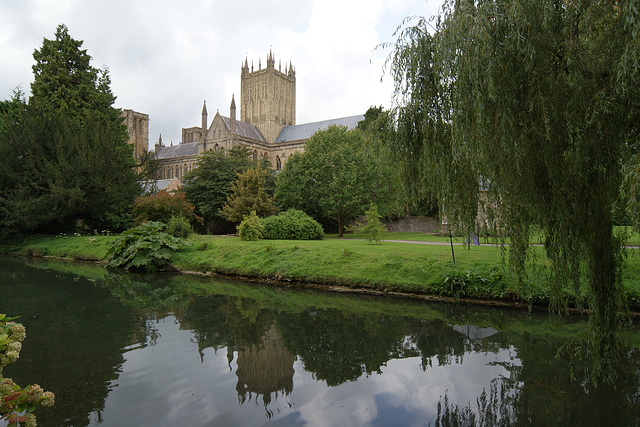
point(265, 368)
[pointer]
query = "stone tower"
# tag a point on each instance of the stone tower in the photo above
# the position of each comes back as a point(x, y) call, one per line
point(138, 130)
point(268, 97)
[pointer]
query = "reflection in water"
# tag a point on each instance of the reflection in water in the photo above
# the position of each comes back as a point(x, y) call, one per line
point(265, 368)
point(158, 350)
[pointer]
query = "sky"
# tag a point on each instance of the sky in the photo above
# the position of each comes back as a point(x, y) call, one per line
point(166, 57)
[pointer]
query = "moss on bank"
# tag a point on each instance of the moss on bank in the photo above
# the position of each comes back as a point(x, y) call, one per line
point(389, 267)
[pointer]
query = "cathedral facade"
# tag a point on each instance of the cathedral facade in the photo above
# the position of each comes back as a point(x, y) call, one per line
point(266, 125)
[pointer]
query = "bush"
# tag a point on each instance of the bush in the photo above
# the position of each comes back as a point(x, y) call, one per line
point(292, 225)
point(251, 227)
point(178, 226)
point(147, 247)
point(162, 207)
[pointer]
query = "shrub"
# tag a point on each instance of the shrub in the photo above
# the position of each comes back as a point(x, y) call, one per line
point(162, 207)
point(251, 227)
point(292, 225)
point(147, 247)
point(374, 229)
point(178, 226)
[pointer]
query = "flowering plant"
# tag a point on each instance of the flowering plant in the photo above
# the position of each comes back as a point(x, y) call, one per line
point(16, 403)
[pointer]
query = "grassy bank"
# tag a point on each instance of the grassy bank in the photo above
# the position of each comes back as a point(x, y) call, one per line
point(389, 267)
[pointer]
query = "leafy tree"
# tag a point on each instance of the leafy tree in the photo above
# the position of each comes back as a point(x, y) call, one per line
point(406, 196)
point(532, 101)
point(209, 185)
point(249, 195)
point(334, 178)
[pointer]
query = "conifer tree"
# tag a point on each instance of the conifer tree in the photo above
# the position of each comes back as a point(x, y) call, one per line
point(65, 160)
point(249, 195)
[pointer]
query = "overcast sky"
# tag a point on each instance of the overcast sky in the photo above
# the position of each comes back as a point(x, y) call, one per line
point(165, 56)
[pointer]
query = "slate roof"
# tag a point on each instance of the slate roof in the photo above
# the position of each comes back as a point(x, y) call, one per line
point(162, 184)
point(305, 131)
point(244, 129)
point(187, 149)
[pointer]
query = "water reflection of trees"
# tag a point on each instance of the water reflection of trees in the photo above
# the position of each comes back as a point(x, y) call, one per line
point(538, 392)
point(86, 358)
point(263, 331)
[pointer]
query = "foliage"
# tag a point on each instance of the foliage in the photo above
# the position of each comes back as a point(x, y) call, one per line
point(248, 194)
point(64, 159)
point(372, 227)
point(178, 226)
point(64, 78)
point(292, 224)
point(532, 102)
point(17, 404)
point(334, 178)
point(250, 228)
point(209, 185)
point(146, 247)
point(406, 196)
point(163, 206)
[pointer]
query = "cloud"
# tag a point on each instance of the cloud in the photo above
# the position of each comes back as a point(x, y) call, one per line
point(166, 57)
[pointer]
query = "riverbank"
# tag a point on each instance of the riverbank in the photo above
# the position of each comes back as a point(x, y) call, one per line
point(425, 270)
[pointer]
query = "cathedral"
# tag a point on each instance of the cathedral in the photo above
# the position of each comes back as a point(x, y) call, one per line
point(266, 125)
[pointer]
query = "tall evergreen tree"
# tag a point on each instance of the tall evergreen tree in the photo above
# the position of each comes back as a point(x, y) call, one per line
point(64, 156)
point(64, 78)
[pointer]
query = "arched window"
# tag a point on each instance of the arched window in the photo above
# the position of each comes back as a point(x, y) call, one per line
point(255, 155)
point(185, 170)
point(177, 171)
point(278, 163)
point(216, 147)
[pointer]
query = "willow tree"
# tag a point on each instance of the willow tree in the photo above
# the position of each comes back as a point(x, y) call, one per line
point(532, 102)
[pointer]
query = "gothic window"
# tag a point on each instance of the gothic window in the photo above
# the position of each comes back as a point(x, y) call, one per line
point(177, 171)
point(216, 148)
point(185, 170)
point(278, 163)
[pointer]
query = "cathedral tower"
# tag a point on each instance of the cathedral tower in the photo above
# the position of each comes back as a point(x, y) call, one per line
point(268, 97)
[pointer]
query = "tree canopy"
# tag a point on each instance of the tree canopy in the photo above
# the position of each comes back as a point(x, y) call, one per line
point(535, 103)
point(64, 159)
point(64, 78)
point(210, 184)
point(333, 178)
point(249, 194)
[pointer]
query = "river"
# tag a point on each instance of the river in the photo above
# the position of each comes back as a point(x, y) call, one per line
point(165, 350)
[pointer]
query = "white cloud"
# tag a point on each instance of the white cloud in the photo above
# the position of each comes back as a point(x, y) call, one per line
point(166, 57)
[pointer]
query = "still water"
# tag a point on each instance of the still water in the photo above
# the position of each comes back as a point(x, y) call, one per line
point(126, 350)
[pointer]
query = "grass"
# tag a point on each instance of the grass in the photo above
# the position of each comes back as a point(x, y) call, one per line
point(389, 267)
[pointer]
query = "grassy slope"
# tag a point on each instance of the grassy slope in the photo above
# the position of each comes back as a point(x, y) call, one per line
point(390, 266)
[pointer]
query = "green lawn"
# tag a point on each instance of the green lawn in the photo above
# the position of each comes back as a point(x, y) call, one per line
point(391, 267)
